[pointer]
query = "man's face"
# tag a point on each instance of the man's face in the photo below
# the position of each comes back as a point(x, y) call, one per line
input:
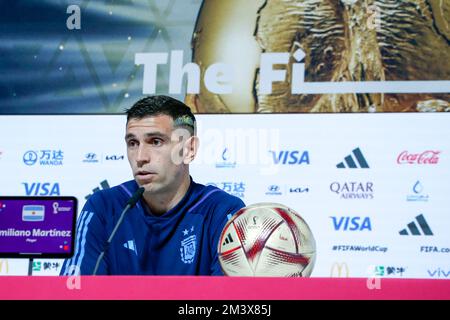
point(151, 146)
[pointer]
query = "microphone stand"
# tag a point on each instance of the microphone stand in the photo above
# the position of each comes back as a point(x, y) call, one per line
point(131, 203)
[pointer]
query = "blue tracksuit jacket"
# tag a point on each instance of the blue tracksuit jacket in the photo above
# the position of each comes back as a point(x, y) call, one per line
point(183, 241)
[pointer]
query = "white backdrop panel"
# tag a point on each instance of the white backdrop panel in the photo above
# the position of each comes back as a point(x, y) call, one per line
point(245, 155)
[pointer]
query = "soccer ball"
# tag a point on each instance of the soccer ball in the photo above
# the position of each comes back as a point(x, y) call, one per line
point(267, 239)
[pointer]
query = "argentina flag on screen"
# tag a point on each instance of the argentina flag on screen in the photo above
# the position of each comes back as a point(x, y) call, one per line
point(33, 213)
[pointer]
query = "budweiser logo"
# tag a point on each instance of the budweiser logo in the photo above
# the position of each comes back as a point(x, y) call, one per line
point(426, 157)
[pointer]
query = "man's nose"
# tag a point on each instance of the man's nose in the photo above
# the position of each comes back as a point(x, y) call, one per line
point(142, 156)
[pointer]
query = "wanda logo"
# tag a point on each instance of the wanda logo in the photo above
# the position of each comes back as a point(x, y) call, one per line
point(426, 157)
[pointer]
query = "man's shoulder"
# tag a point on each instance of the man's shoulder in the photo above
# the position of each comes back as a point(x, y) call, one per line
point(117, 194)
point(209, 194)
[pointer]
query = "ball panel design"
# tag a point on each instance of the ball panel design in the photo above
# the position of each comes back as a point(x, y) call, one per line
point(267, 239)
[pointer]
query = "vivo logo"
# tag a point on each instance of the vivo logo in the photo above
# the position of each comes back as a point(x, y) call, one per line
point(41, 189)
point(290, 157)
point(439, 273)
point(351, 223)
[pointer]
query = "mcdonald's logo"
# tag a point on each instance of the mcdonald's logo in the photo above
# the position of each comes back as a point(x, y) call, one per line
point(4, 265)
point(339, 270)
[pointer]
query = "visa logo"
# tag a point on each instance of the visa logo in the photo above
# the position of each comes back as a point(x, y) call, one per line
point(290, 157)
point(41, 189)
point(351, 223)
point(439, 272)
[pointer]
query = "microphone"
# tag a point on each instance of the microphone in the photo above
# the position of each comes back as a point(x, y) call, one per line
point(130, 204)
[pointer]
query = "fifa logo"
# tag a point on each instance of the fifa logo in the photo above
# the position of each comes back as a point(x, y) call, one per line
point(339, 270)
point(254, 224)
point(4, 265)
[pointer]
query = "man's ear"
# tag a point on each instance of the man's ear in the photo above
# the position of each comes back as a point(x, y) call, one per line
point(190, 149)
point(181, 151)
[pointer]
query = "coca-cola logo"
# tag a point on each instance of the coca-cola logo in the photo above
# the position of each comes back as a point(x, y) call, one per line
point(426, 157)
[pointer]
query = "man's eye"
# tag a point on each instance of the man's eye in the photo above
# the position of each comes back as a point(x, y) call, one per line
point(157, 142)
point(132, 143)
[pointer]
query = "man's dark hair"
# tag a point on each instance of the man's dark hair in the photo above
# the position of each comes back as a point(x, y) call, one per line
point(163, 105)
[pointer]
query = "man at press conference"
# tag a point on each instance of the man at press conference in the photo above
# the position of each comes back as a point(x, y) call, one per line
point(162, 222)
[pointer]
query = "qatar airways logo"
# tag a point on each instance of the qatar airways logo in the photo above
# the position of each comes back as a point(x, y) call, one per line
point(426, 157)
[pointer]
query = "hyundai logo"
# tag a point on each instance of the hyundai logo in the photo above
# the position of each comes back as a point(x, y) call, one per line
point(274, 188)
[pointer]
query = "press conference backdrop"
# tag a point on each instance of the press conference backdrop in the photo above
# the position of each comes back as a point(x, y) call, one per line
point(234, 56)
point(372, 187)
point(370, 184)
